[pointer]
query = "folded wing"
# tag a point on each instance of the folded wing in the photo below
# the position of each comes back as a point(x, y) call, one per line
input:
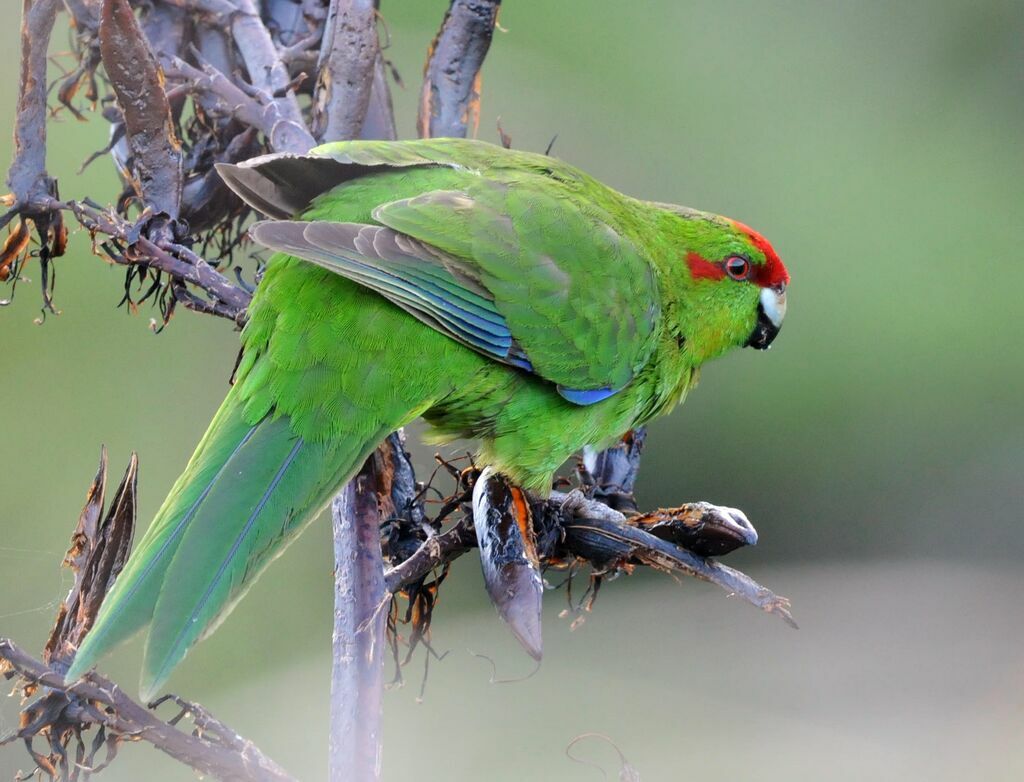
point(527, 269)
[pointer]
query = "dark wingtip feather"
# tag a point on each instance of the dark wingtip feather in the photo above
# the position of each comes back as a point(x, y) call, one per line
point(284, 184)
point(248, 184)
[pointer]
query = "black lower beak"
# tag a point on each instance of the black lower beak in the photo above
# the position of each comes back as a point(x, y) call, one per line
point(764, 331)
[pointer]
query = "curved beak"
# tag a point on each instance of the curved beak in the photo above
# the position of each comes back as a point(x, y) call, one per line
point(771, 309)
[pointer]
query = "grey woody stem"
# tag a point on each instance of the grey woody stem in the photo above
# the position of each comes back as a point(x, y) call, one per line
point(348, 58)
point(360, 614)
point(27, 175)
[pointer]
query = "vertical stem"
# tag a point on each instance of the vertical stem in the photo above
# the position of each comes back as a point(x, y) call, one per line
point(347, 57)
point(450, 98)
point(360, 613)
point(28, 169)
point(351, 81)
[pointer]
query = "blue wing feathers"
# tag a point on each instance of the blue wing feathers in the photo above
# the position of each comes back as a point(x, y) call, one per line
point(585, 397)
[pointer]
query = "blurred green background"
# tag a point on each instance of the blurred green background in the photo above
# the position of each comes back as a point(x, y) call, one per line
point(878, 448)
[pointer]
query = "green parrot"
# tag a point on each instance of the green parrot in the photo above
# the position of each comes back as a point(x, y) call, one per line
point(501, 295)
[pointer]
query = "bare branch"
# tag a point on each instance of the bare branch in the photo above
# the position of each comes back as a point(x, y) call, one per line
point(211, 749)
point(138, 84)
point(434, 552)
point(351, 75)
point(30, 185)
point(177, 261)
point(99, 549)
point(27, 176)
point(607, 535)
point(360, 614)
point(450, 99)
point(258, 110)
point(347, 57)
point(269, 76)
point(572, 526)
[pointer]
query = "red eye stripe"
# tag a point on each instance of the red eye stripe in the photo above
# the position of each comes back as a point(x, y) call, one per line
point(773, 271)
point(703, 269)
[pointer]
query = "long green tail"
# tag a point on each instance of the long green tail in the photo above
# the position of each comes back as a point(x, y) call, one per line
point(246, 493)
point(272, 487)
point(129, 605)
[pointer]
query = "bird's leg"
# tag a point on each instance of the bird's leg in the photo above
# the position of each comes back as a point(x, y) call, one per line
point(612, 472)
point(504, 531)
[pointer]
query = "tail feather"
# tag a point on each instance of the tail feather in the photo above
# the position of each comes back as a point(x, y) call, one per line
point(272, 488)
point(129, 605)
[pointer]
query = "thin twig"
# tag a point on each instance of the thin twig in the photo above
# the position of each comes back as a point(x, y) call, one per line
point(261, 112)
point(432, 554)
point(269, 75)
point(177, 261)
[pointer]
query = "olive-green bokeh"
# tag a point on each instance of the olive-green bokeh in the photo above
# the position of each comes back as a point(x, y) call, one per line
point(878, 447)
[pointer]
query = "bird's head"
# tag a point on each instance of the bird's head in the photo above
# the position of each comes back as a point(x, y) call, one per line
point(729, 284)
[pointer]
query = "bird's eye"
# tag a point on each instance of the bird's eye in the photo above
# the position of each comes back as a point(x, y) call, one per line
point(738, 268)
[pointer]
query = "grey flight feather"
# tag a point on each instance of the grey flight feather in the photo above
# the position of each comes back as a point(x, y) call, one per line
point(406, 272)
